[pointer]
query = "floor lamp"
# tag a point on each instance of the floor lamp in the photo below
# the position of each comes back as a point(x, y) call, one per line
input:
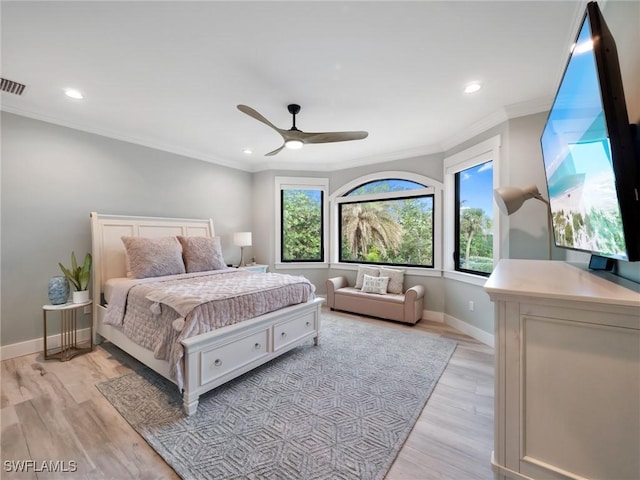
point(242, 239)
point(510, 199)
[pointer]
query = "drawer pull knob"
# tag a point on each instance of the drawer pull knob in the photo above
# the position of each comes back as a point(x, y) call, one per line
point(257, 346)
point(283, 334)
point(308, 323)
point(217, 362)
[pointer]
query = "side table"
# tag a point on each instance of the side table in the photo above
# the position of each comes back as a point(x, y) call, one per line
point(256, 267)
point(68, 331)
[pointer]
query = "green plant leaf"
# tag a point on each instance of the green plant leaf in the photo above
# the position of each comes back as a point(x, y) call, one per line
point(74, 263)
point(84, 280)
point(70, 276)
point(79, 276)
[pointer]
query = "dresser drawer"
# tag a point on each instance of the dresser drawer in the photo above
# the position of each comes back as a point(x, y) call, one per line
point(231, 356)
point(288, 332)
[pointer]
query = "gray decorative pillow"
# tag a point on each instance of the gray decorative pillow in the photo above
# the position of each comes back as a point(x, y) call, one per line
point(153, 257)
point(396, 279)
point(375, 284)
point(371, 271)
point(202, 253)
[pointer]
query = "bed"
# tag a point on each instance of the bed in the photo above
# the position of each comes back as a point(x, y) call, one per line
point(207, 359)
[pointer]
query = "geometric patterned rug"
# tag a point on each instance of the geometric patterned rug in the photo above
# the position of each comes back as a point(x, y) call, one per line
point(339, 410)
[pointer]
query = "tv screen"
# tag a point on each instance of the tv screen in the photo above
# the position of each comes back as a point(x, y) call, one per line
point(588, 151)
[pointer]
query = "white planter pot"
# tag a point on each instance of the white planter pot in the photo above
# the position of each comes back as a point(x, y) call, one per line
point(81, 296)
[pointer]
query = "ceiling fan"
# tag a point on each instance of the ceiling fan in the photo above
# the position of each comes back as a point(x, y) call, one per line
point(294, 138)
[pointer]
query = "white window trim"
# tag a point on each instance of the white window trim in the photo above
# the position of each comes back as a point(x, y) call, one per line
point(476, 155)
point(434, 187)
point(301, 183)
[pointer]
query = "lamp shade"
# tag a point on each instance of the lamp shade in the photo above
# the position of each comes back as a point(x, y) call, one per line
point(510, 199)
point(242, 239)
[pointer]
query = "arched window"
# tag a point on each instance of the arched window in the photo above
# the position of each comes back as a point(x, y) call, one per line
point(387, 221)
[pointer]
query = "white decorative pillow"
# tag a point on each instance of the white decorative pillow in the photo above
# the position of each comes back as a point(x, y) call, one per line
point(375, 284)
point(371, 271)
point(153, 257)
point(201, 254)
point(396, 279)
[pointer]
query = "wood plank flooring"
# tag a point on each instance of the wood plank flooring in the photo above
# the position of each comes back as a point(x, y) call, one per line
point(51, 410)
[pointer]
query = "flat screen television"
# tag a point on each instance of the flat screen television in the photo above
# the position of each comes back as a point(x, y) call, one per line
point(590, 151)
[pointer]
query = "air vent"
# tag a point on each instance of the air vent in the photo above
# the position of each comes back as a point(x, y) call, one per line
point(10, 86)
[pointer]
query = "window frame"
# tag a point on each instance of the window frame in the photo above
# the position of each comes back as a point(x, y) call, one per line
point(301, 183)
point(434, 188)
point(468, 158)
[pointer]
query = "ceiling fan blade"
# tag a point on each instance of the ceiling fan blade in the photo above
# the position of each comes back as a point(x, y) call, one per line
point(252, 113)
point(276, 151)
point(330, 137)
point(294, 134)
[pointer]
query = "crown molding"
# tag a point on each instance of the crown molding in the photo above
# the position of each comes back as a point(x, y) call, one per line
point(511, 111)
point(117, 136)
point(530, 107)
point(474, 129)
point(359, 162)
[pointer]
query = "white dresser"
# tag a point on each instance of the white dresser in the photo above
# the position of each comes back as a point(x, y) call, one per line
point(567, 373)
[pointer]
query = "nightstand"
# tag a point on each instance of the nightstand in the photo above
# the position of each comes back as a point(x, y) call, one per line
point(68, 331)
point(256, 268)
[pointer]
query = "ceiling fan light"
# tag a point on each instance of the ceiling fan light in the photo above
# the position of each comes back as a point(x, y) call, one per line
point(293, 144)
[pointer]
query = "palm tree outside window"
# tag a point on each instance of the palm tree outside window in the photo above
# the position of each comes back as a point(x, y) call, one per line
point(388, 222)
point(473, 252)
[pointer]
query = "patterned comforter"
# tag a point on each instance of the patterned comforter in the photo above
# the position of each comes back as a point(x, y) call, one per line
point(157, 313)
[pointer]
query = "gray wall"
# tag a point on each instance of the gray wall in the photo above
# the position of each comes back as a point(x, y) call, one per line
point(457, 295)
point(53, 176)
point(428, 165)
point(264, 217)
point(623, 19)
point(525, 232)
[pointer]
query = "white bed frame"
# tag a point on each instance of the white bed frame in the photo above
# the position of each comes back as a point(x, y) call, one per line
point(213, 358)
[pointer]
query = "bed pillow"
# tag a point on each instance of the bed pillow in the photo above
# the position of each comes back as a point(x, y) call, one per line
point(396, 279)
point(201, 254)
point(153, 257)
point(375, 284)
point(371, 271)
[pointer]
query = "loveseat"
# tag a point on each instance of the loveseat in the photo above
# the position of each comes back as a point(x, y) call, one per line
point(404, 307)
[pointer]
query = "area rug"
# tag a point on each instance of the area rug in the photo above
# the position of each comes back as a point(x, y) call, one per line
point(339, 410)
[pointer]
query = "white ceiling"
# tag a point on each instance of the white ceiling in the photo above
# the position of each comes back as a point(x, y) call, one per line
point(170, 74)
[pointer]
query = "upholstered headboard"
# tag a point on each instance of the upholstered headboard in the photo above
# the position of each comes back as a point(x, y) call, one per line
point(107, 247)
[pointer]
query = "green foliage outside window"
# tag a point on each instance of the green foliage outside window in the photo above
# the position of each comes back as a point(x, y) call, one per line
point(302, 225)
point(396, 231)
point(476, 241)
point(474, 199)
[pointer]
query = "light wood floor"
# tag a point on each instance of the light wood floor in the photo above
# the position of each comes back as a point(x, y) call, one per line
point(51, 410)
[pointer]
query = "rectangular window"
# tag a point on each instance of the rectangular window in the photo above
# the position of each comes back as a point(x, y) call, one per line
point(393, 231)
point(473, 251)
point(301, 229)
point(302, 225)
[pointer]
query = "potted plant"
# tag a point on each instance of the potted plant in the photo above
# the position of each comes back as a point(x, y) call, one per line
point(79, 276)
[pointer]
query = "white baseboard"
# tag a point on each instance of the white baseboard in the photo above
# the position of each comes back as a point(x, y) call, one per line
point(37, 345)
point(475, 332)
point(53, 341)
point(433, 316)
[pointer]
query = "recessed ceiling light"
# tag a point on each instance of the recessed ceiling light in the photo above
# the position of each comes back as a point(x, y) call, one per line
point(247, 151)
point(472, 87)
point(73, 93)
